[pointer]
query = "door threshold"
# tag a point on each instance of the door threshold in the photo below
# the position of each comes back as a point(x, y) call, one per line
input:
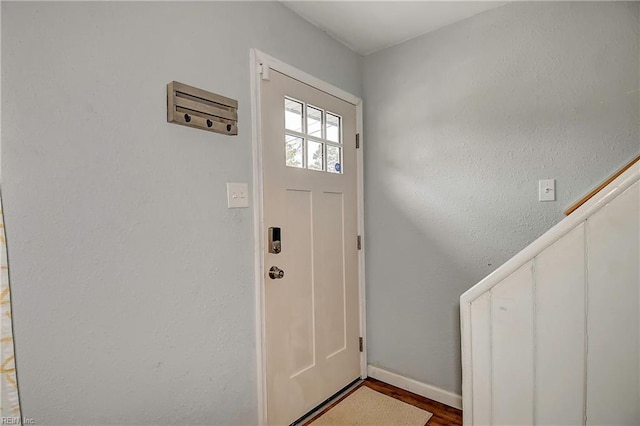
point(328, 403)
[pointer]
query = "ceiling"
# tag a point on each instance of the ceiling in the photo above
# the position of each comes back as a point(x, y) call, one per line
point(368, 26)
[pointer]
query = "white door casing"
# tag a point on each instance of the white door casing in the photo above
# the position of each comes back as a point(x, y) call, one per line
point(312, 313)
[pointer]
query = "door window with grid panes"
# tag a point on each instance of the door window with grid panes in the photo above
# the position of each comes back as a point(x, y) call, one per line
point(313, 137)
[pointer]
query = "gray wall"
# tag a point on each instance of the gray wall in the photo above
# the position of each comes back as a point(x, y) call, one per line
point(460, 124)
point(132, 282)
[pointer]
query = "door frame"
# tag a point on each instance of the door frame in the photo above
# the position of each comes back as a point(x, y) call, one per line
point(260, 64)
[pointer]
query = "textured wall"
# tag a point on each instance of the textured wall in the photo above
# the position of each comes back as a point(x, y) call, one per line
point(460, 125)
point(132, 282)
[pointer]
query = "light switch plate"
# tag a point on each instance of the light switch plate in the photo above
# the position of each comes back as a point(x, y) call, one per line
point(547, 190)
point(237, 195)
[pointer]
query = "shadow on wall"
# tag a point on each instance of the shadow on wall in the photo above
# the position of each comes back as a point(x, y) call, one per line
point(456, 205)
point(460, 125)
point(460, 194)
point(407, 284)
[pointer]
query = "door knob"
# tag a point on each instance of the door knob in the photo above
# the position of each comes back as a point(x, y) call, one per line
point(276, 273)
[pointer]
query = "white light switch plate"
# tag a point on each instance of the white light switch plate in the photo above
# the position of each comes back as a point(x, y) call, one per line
point(237, 195)
point(547, 190)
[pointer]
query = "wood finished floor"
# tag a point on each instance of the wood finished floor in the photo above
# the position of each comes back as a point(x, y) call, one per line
point(443, 415)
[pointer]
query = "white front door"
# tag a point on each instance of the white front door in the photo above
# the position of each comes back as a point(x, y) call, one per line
point(310, 200)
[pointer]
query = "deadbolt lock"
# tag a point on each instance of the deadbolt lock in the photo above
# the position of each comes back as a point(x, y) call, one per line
point(276, 273)
point(276, 247)
point(275, 242)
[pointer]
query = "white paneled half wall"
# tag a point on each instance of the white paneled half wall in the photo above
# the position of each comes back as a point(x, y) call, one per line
point(553, 336)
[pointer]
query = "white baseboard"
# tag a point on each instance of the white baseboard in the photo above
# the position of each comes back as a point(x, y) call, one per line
point(428, 391)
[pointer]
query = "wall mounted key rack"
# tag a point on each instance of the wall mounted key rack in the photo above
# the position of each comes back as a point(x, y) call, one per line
point(193, 107)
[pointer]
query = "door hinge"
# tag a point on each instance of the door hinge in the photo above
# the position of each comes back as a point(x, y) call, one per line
point(360, 344)
point(357, 140)
point(264, 71)
point(359, 243)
